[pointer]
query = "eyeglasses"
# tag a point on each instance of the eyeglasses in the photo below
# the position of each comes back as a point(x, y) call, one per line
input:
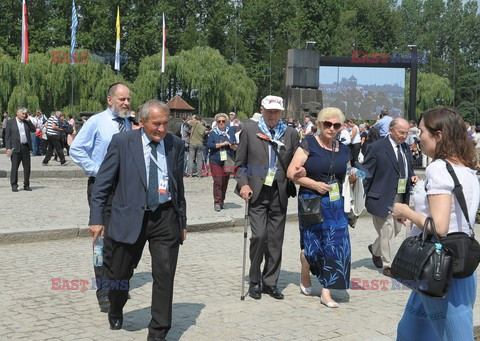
point(328, 125)
point(221, 121)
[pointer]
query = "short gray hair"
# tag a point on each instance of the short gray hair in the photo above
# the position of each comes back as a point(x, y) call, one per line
point(147, 106)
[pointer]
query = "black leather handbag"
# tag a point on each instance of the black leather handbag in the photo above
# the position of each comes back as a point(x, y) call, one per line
point(423, 264)
point(465, 248)
point(310, 211)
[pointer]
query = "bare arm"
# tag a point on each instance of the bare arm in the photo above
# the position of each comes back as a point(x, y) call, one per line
point(296, 164)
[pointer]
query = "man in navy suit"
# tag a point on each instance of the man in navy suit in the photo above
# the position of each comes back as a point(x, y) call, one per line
point(388, 163)
point(146, 167)
point(19, 144)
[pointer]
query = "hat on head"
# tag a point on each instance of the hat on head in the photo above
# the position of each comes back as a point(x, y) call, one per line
point(256, 117)
point(272, 103)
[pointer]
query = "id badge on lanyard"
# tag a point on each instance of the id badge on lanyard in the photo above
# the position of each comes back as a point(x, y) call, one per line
point(223, 155)
point(162, 185)
point(270, 176)
point(402, 186)
point(334, 192)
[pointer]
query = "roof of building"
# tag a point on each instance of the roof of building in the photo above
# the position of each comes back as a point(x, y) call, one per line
point(177, 103)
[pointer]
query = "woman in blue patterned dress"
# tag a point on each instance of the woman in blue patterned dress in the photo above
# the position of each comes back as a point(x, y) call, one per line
point(326, 246)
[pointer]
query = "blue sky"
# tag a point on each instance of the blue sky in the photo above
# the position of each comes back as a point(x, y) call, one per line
point(379, 76)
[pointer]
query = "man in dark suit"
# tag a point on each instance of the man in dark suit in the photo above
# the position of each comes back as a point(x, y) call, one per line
point(19, 144)
point(388, 163)
point(146, 166)
point(262, 180)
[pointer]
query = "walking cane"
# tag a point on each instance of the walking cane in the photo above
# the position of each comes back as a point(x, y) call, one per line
point(245, 231)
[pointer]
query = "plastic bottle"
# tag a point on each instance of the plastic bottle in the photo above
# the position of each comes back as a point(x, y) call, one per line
point(358, 173)
point(98, 251)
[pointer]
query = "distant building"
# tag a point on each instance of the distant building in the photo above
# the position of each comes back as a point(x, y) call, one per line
point(352, 81)
point(179, 108)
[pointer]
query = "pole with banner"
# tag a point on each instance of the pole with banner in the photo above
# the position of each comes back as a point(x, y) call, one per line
point(72, 50)
point(117, 45)
point(164, 41)
point(24, 58)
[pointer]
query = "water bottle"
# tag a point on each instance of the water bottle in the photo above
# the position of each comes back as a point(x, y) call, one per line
point(98, 251)
point(358, 173)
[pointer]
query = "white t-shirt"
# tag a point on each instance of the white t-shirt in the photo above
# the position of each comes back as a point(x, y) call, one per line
point(356, 138)
point(439, 181)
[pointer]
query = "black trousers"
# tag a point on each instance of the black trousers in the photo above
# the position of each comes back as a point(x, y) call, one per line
point(21, 158)
point(267, 222)
point(54, 143)
point(162, 230)
point(101, 272)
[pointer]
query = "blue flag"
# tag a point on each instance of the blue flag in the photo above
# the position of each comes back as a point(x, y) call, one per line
point(74, 31)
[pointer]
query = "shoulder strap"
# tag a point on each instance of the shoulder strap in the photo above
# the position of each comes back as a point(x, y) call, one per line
point(274, 147)
point(458, 190)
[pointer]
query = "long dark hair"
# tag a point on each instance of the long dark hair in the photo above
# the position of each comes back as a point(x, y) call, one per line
point(455, 142)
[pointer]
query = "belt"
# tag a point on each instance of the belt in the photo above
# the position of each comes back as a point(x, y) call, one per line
point(163, 206)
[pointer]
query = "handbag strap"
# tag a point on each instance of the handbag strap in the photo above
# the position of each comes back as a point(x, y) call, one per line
point(274, 147)
point(429, 221)
point(458, 191)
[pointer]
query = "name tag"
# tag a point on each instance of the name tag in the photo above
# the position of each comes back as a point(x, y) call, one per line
point(270, 177)
point(402, 186)
point(334, 192)
point(162, 186)
point(223, 155)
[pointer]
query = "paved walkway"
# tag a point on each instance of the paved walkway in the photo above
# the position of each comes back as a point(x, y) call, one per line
point(57, 207)
point(207, 302)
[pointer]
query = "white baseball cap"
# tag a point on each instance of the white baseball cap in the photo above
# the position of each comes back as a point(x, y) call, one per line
point(256, 117)
point(272, 103)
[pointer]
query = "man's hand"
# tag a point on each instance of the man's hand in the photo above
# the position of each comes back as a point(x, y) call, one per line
point(246, 192)
point(9, 152)
point(96, 230)
point(414, 180)
point(184, 234)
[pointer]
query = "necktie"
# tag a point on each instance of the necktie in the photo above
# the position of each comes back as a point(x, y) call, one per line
point(152, 196)
point(401, 164)
point(121, 124)
point(272, 152)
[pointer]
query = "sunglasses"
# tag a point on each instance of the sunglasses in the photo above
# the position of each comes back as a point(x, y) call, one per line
point(221, 121)
point(328, 125)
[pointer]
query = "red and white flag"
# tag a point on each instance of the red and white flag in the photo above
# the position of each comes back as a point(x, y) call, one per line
point(24, 34)
point(164, 41)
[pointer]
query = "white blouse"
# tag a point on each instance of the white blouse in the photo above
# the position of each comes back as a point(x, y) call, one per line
point(439, 181)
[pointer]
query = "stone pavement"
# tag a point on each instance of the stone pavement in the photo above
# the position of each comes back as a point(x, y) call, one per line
point(58, 207)
point(207, 302)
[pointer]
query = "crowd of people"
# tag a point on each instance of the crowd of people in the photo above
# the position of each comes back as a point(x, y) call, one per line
point(135, 191)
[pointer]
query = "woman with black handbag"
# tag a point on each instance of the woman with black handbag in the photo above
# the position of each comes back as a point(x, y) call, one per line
point(444, 138)
point(324, 237)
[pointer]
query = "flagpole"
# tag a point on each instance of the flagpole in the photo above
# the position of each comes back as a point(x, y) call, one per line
point(73, 80)
point(21, 85)
point(164, 39)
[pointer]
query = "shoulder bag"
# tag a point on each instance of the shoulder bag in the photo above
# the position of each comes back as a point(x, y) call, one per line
point(424, 264)
point(465, 248)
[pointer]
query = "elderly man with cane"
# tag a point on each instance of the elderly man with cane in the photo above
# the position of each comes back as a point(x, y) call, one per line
point(262, 183)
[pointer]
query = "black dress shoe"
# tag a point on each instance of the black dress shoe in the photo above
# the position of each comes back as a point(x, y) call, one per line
point(104, 304)
point(155, 338)
point(255, 291)
point(273, 291)
point(27, 188)
point(14, 189)
point(115, 320)
point(377, 260)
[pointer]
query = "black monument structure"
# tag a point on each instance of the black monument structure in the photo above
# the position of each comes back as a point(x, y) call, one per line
point(302, 96)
